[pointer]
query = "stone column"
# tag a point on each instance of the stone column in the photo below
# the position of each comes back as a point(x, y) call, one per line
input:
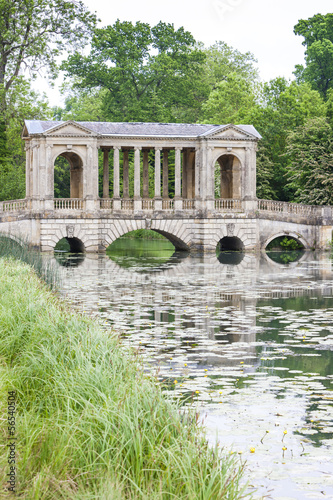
point(157, 197)
point(35, 174)
point(197, 178)
point(125, 175)
point(210, 179)
point(178, 200)
point(137, 197)
point(106, 179)
point(145, 177)
point(165, 174)
point(116, 190)
point(27, 171)
point(184, 183)
point(49, 192)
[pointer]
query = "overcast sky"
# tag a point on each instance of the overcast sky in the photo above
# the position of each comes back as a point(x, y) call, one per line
point(263, 27)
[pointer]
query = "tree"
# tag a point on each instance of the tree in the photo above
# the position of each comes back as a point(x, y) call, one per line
point(318, 40)
point(223, 60)
point(282, 107)
point(310, 162)
point(151, 73)
point(231, 101)
point(22, 103)
point(34, 32)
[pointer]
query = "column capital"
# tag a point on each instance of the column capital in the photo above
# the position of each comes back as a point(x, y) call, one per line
point(116, 148)
point(137, 148)
point(178, 148)
point(158, 148)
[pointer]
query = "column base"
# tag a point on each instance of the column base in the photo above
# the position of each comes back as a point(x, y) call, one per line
point(137, 204)
point(116, 203)
point(178, 203)
point(157, 203)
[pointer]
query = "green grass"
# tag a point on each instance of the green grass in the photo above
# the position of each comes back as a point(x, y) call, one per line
point(143, 234)
point(90, 423)
point(18, 249)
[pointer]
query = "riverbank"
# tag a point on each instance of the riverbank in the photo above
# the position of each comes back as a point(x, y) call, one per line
point(89, 423)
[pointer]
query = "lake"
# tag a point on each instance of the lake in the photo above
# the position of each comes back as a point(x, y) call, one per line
point(245, 339)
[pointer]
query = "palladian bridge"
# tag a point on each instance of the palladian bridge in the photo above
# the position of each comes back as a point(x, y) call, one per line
point(194, 184)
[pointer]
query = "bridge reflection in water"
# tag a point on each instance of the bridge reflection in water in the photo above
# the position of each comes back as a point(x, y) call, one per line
point(191, 300)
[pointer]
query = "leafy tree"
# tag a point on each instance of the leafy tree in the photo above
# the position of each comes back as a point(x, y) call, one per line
point(34, 32)
point(318, 40)
point(231, 101)
point(22, 103)
point(223, 60)
point(283, 106)
point(150, 73)
point(310, 162)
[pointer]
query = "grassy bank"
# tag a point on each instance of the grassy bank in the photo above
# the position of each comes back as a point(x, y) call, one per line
point(19, 250)
point(90, 424)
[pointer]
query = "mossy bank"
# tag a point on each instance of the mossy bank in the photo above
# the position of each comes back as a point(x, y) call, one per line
point(90, 424)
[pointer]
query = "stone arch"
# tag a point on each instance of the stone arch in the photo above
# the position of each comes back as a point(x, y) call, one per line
point(76, 171)
point(298, 237)
point(117, 228)
point(229, 175)
point(231, 243)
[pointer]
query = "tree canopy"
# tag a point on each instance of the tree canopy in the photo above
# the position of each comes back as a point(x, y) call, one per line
point(34, 32)
point(151, 73)
point(317, 32)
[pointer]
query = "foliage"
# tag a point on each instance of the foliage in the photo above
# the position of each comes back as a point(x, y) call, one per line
point(18, 249)
point(310, 162)
point(282, 107)
point(21, 103)
point(150, 73)
point(223, 60)
point(230, 101)
point(317, 32)
point(91, 423)
point(61, 178)
point(33, 33)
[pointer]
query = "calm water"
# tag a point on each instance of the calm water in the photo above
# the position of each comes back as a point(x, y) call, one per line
point(246, 340)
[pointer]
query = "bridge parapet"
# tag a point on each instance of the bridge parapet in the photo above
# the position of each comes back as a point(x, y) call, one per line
point(14, 205)
point(298, 209)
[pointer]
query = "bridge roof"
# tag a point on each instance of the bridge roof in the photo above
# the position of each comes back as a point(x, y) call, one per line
point(139, 129)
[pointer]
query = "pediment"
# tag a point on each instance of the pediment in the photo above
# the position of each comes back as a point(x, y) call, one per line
point(232, 132)
point(70, 129)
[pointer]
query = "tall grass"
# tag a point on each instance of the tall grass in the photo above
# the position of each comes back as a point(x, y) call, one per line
point(90, 423)
point(19, 249)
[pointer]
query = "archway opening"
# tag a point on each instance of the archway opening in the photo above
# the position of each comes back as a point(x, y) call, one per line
point(230, 244)
point(285, 249)
point(143, 249)
point(284, 243)
point(227, 177)
point(71, 245)
point(68, 176)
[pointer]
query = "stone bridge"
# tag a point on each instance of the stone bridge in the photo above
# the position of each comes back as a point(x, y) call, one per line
point(194, 184)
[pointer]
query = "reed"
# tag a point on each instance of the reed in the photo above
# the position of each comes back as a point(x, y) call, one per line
point(20, 250)
point(91, 424)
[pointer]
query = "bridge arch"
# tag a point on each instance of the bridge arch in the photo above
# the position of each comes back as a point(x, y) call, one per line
point(296, 236)
point(227, 168)
point(179, 236)
point(76, 171)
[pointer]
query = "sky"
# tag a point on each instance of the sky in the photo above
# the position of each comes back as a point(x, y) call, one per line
point(263, 27)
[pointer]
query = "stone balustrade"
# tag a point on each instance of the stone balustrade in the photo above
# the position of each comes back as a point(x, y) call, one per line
point(228, 205)
point(68, 204)
point(13, 205)
point(293, 208)
point(280, 208)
